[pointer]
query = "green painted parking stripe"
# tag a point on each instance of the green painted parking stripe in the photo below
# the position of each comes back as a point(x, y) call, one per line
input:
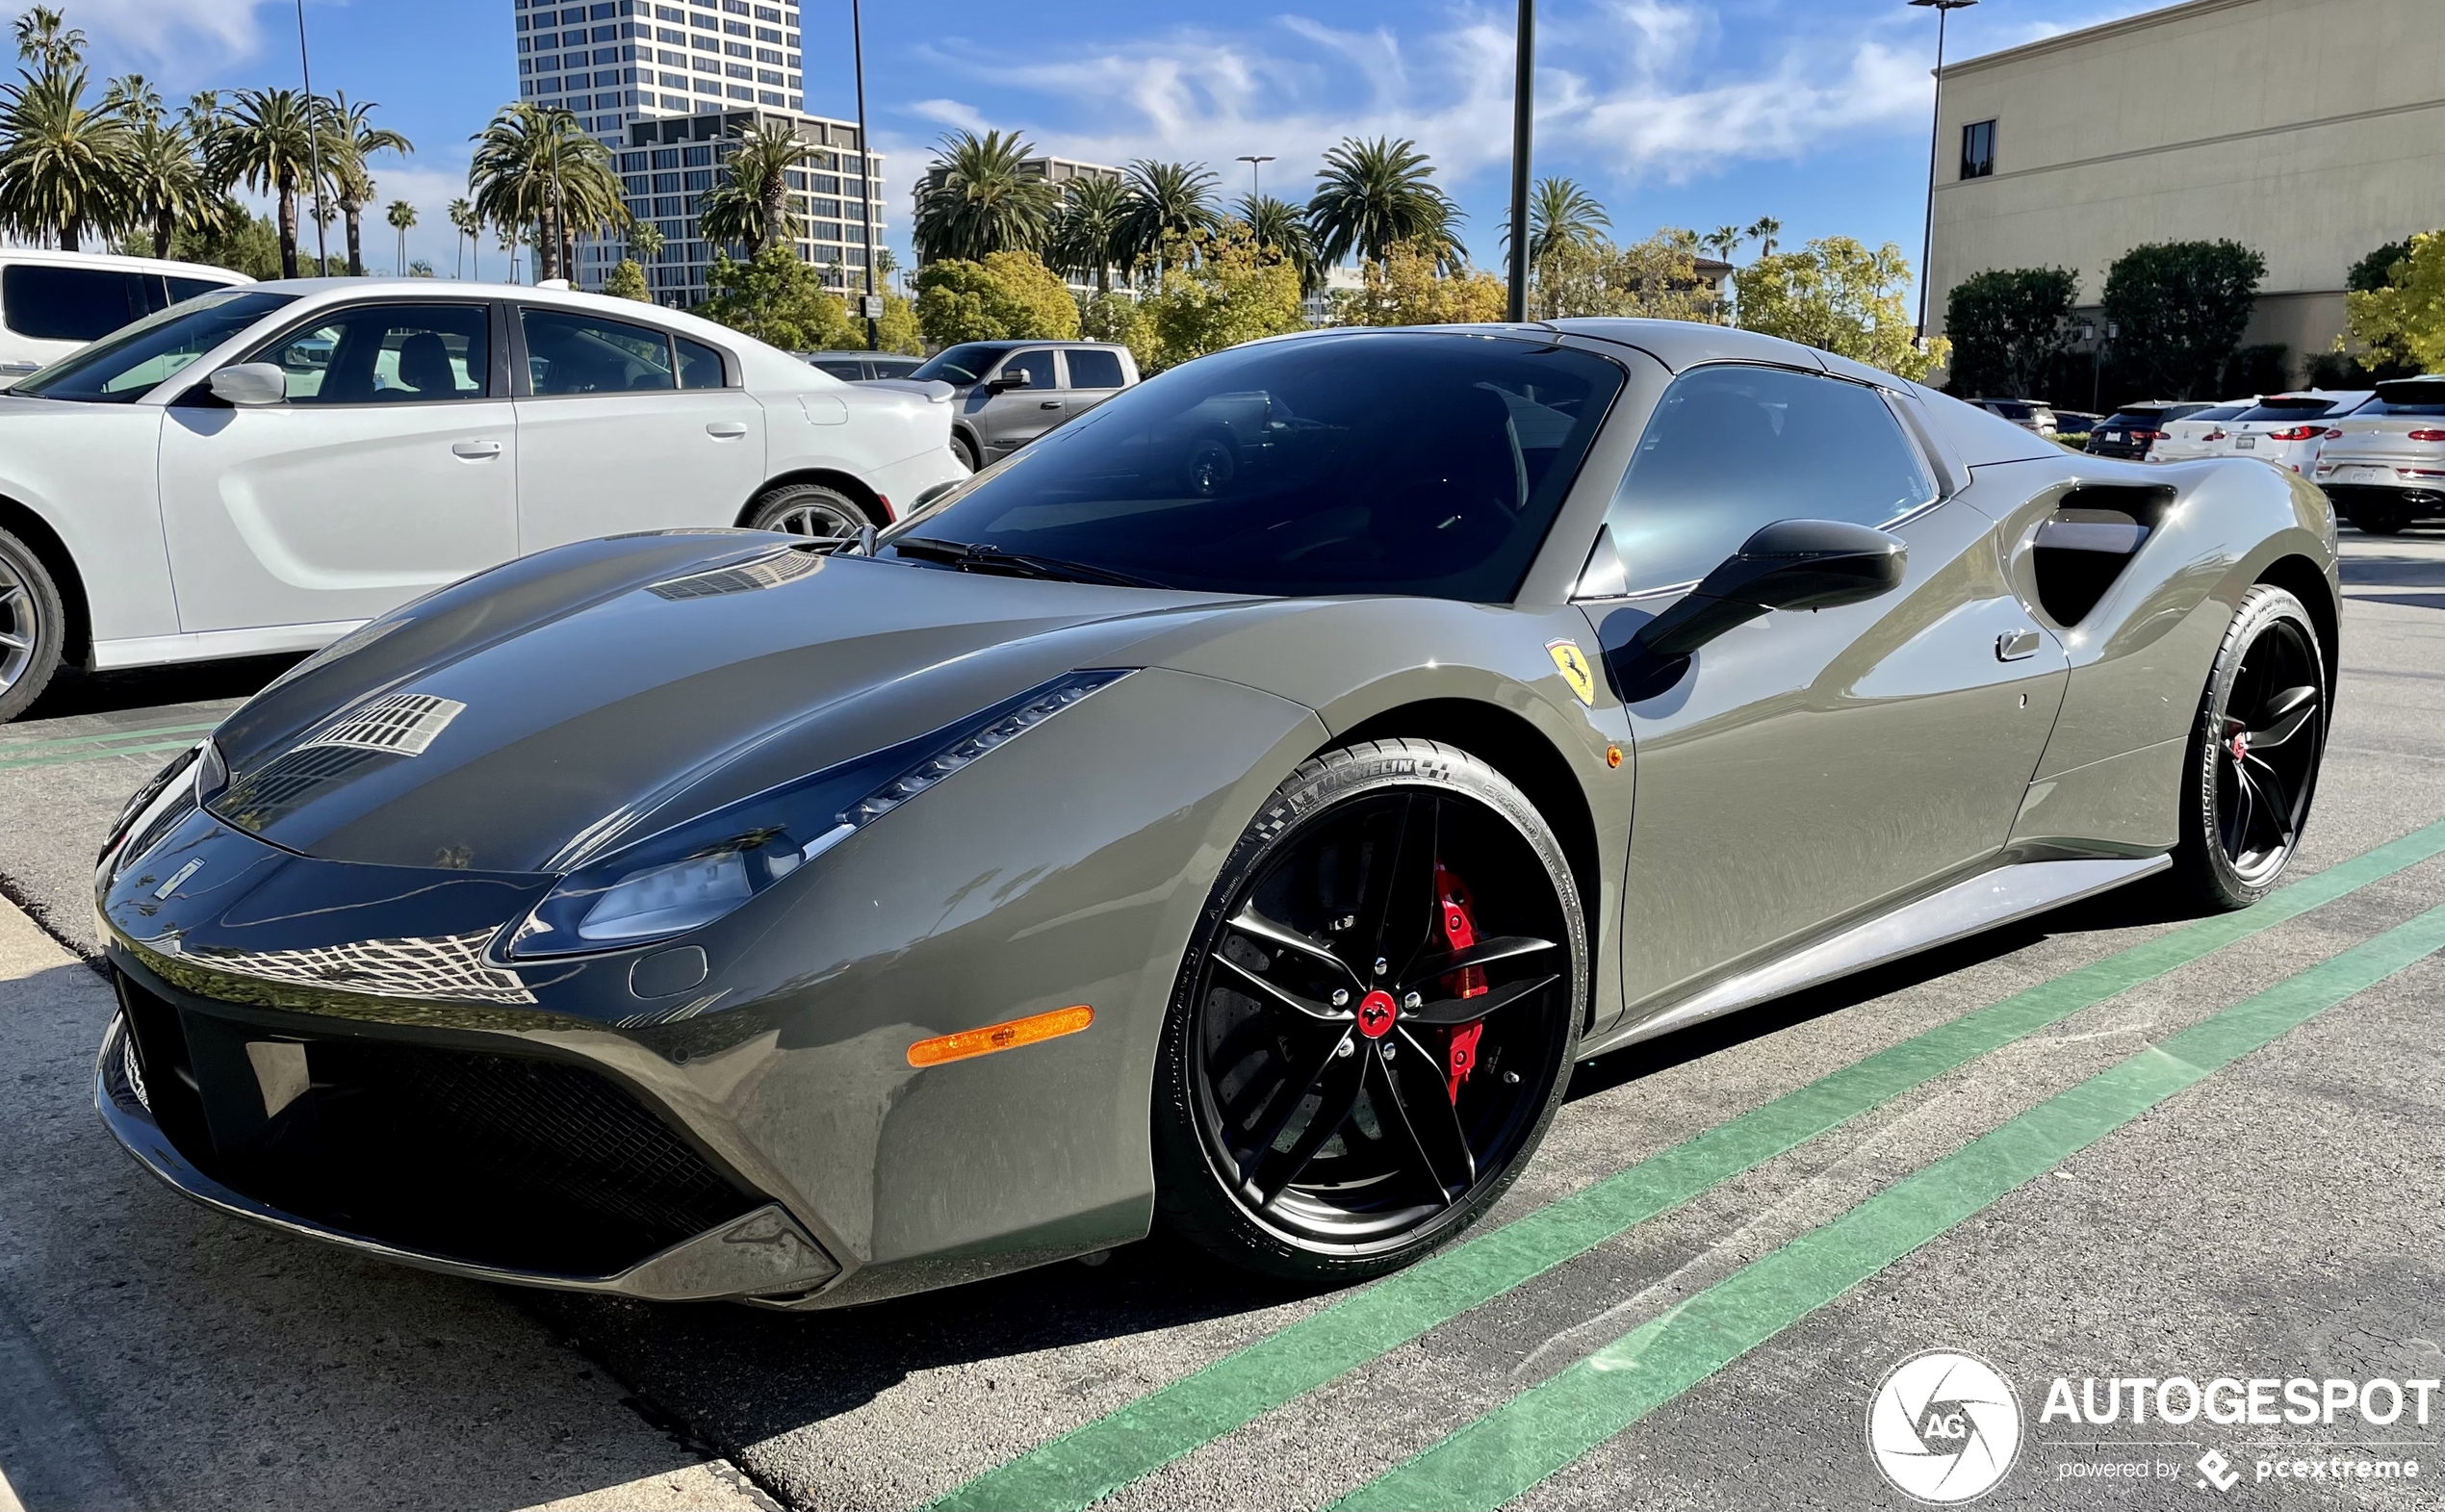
point(1511, 1450)
point(11, 750)
point(97, 754)
point(1095, 1460)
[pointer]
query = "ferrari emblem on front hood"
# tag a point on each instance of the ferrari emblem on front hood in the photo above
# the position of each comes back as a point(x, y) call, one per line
point(1572, 663)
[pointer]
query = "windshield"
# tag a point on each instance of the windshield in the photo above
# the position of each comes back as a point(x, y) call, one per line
point(2303, 406)
point(2410, 396)
point(1396, 462)
point(963, 364)
point(124, 368)
point(2220, 412)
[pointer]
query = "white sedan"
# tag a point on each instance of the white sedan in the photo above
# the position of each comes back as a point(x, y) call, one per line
point(264, 469)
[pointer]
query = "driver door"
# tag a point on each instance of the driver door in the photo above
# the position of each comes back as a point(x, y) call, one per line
point(389, 471)
point(1807, 767)
point(1011, 417)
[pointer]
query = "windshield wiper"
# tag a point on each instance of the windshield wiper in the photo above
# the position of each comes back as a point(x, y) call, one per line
point(977, 556)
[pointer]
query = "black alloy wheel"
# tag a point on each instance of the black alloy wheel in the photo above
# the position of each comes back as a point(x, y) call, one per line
point(1376, 1023)
point(2254, 767)
point(807, 509)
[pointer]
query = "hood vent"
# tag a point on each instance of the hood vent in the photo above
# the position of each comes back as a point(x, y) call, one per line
point(762, 572)
point(401, 724)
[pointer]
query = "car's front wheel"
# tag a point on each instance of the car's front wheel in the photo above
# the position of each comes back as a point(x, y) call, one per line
point(1375, 1020)
point(2254, 754)
point(807, 509)
point(31, 626)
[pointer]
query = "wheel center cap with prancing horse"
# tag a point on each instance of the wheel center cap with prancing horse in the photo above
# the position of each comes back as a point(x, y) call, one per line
point(1377, 1015)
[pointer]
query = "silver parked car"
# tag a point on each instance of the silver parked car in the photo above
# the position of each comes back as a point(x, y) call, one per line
point(2385, 468)
point(2028, 414)
point(1010, 393)
point(863, 367)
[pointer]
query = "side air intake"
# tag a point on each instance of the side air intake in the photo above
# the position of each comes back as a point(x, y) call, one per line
point(2092, 534)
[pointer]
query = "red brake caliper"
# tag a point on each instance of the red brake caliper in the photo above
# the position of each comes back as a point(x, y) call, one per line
point(1459, 932)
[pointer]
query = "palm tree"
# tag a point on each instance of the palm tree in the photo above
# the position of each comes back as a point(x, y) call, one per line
point(1167, 200)
point(1562, 214)
point(167, 187)
point(728, 213)
point(1281, 227)
point(534, 167)
point(1090, 236)
point(468, 227)
point(1370, 196)
point(981, 197)
point(1765, 232)
point(760, 166)
point(267, 143)
point(645, 241)
point(402, 216)
point(65, 167)
point(1723, 240)
point(350, 140)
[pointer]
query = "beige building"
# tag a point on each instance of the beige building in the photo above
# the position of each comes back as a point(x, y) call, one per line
point(2311, 130)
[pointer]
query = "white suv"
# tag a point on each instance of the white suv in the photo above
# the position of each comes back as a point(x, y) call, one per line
point(2385, 467)
point(264, 469)
point(2286, 431)
point(51, 303)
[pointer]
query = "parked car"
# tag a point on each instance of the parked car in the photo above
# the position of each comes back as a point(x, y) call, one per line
point(264, 469)
point(2384, 465)
point(51, 303)
point(1114, 845)
point(2028, 414)
point(2130, 430)
point(2068, 423)
point(2286, 431)
point(1010, 393)
point(2195, 435)
point(864, 366)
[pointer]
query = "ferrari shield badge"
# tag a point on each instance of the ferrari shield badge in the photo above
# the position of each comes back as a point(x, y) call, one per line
point(1572, 663)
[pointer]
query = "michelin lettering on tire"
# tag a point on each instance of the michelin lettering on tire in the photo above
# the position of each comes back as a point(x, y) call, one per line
point(1944, 1427)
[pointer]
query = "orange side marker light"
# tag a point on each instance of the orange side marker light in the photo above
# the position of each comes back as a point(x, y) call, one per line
point(969, 1043)
point(1612, 755)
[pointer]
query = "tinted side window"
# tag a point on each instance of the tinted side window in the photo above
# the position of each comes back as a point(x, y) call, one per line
point(1037, 365)
point(1731, 448)
point(389, 354)
point(571, 354)
point(845, 372)
point(69, 304)
point(1094, 368)
point(701, 366)
point(189, 288)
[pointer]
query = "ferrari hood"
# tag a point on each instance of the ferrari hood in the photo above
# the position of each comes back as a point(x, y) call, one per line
point(629, 685)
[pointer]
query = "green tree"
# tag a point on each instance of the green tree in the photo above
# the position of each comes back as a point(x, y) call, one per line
point(1170, 211)
point(350, 140)
point(1091, 237)
point(469, 228)
point(626, 281)
point(267, 143)
point(1233, 291)
point(1836, 295)
point(2405, 320)
point(1007, 295)
point(65, 167)
point(1409, 287)
point(751, 205)
point(899, 330)
point(2181, 307)
point(1118, 317)
point(1562, 214)
point(1281, 227)
point(2376, 270)
point(400, 217)
point(779, 300)
point(165, 184)
point(1724, 241)
point(1653, 279)
point(232, 236)
point(1374, 195)
point(981, 197)
point(533, 169)
point(2007, 327)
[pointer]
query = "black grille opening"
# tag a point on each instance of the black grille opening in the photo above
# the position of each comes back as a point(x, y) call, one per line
point(501, 1160)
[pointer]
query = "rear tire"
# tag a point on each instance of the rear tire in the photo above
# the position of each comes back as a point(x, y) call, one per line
point(965, 450)
point(2379, 519)
point(1334, 1098)
point(807, 509)
point(33, 627)
point(2255, 752)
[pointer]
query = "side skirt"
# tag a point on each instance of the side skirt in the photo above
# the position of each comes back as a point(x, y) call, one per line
point(1965, 908)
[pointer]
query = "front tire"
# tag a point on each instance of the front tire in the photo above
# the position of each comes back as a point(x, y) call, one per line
point(33, 627)
point(807, 509)
point(2255, 752)
point(1375, 1019)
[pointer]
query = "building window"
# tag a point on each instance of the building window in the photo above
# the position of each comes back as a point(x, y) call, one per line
point(1979, 149)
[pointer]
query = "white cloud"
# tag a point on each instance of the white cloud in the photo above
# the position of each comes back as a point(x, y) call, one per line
point(180, 36)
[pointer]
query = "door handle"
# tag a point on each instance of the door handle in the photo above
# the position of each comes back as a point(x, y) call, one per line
point(2016, 645)
point(726, 429)
point(21, 367)
point(1049, 404)
point(475, 450)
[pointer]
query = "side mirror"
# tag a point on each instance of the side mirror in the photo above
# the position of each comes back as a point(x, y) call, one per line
point(1013, 378)
point(251, 384)
point(1790, 564)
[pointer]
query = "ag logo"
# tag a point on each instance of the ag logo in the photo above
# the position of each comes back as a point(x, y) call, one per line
point(1944, 1427)
point(1572, 663)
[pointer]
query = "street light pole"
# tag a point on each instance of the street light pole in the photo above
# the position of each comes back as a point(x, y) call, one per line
point(1522, 117)
point(314, 152)
point(1251, 159)
point(1935, 133)
point(865, 172)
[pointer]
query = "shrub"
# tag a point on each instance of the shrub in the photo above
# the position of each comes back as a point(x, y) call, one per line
point(2181, 307)
point(1009, 296)
point(1836, 295)
point(2007, 326)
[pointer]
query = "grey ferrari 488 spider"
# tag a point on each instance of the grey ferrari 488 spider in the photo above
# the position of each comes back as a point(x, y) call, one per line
point(1238, 809)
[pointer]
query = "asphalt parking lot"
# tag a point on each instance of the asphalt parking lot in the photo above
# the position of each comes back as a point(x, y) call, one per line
point(2116, 1141)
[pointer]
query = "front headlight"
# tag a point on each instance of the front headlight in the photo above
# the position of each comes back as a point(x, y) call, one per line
point(687, 876)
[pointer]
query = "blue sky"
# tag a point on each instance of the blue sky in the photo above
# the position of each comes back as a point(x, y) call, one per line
point(1695, 113)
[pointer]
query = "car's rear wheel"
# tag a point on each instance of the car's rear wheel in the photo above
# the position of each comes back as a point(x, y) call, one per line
point(807, 509)
point(965, 450)
point(2255, 755)
point(1375, 1020)
point(2380, 519)
point(31, 626)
